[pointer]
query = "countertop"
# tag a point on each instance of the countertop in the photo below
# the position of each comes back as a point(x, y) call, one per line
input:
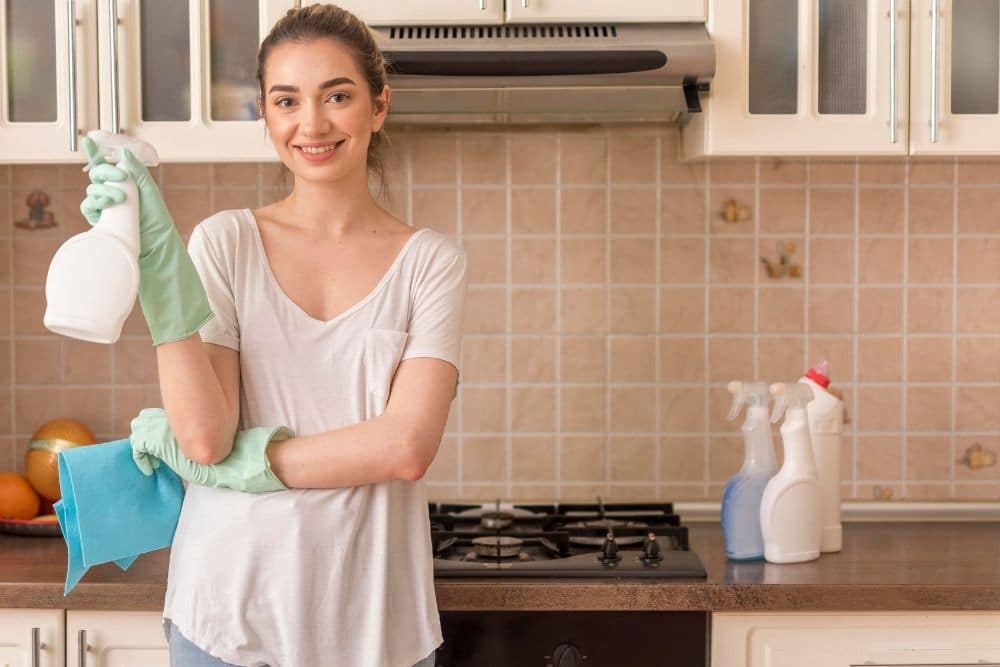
point(883, 566)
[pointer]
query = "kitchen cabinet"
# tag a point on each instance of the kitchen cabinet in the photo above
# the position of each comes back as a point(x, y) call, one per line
point(956, 77)
point(180, 75)
point(798, 77)
point(32, 637)
point(115, 639)
point(837, 640)
point(483, 12)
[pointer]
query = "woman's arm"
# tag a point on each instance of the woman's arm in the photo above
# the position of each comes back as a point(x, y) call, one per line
point(399, 444)
point(199, 384)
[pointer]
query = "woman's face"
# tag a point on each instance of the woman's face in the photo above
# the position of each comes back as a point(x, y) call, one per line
point(319, 110)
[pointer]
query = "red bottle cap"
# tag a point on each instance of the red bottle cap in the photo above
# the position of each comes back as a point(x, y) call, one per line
point(818, 377)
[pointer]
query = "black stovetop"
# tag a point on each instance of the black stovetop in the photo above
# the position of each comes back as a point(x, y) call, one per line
point(599, 539)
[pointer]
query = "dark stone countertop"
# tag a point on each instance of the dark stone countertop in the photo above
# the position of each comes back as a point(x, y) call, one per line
point(883, 566)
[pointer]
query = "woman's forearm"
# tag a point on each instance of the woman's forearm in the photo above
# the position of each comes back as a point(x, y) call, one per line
point(201, 416)
point(372, 451)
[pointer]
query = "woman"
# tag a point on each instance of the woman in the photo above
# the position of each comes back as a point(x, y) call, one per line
point(333, 319)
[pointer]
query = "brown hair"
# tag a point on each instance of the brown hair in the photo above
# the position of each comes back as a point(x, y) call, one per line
point(324, 21)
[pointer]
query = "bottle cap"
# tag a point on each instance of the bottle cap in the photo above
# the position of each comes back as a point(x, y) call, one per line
point(820, 374)
point(109, 146)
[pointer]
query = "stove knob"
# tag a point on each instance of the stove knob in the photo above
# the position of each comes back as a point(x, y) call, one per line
point(651, 549)
point(566, 655)
point(609, 550)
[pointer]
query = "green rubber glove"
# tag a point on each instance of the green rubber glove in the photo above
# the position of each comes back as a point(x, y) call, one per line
point(171, 295)
point(245, 469)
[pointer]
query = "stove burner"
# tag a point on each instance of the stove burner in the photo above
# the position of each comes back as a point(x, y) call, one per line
point(497, 546)
point(608, 524)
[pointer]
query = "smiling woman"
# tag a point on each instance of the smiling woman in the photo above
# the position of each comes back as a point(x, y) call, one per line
point(343, 324)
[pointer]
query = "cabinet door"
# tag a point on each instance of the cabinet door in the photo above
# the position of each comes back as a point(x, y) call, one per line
point(804, 77)
point(186, 76)
point(48, 78)
point(840, 640)
point(426, 12)
point(30, 637)
point(116, 639)
point(955, 104)
point(625, 11)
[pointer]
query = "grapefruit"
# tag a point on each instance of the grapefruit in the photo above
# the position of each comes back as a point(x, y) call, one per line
point(17, 499)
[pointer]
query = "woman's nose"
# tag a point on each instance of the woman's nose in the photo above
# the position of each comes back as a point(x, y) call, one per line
point(315, 121)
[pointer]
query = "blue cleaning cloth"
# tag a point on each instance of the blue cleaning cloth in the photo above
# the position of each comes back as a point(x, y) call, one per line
point(110, 511)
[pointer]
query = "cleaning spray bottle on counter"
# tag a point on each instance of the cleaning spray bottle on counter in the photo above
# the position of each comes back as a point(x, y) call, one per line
point(826, 430)
point(93, 278)
point(790, 510)
point(741, 498)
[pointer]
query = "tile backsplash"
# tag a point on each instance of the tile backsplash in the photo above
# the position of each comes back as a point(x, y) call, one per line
point(613, 292)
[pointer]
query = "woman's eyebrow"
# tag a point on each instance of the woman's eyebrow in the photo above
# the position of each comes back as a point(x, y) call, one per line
point(285, 88)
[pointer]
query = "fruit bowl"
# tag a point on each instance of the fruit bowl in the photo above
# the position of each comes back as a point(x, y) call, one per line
point(40, 526)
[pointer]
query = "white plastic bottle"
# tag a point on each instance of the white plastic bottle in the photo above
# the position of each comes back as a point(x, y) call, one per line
point(826, 431)
point(790, 510)
point(93, 278)
point(742, 495)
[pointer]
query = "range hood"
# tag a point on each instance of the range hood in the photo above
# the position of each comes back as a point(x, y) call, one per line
point(599, 72)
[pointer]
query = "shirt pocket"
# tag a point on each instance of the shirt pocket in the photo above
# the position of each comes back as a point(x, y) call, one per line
point(383, 350)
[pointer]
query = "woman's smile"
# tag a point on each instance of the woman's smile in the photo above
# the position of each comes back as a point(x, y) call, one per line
point(318, 152)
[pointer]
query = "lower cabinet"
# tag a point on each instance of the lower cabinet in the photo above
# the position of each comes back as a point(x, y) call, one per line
point(30, 637)
point(115, 639)
point(875, 639)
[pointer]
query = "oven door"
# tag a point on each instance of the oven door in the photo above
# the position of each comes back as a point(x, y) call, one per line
point(574, 638)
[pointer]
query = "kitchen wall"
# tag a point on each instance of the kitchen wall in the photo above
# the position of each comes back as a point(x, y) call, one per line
point(610, 300)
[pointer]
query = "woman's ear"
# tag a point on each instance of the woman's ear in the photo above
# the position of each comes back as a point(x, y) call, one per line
point(381, 104)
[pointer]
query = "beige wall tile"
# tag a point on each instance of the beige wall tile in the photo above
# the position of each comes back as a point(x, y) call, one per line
point(880, 260)
point(929, 309)
point(632, 310)
point(532, 260)
point(633, 156)
point(731, 260)
point(583, 157)
point(533, 211)
point(880, 359)
point(31, 259)
point(781, 310)
point(484, 409)
point(177, 174)
point(434, 158)
point(582, 211)
point(979, 260)
point(831, 309)
point(965, 473)
point(487, 259)
point(780, 357)
point(435, 209)
point(782, 210)
point(236, 174)
point(977, 210)
point(632, 409)
point(928, 409)
point(880, 457)
point(484, 359)
point(35, 176)
point(681, 410)
point(633, 458)
point(977, 408)
point(29, 310)
point(37, 361)
point(928, 458)
point(583, 260)
point(444, 467)
point(129, 402)
point(484, 458)
point(682, 260)
point(633, 210)
point(928, 359)
point(978, 172)
point(831, 260)
point(682, 458)
point(931, 172)
point(35, 406)
point(682, 309)
point(682, 359)
point(930, 260)
point(483, 211)
point(880, 211)
point(838, 351)
point(533, 359)
point(582, 458)
point(632, 358)
point(730, 359)
point(484, 158)
point(582, 409)
point(831, 210)
point(533, 459)
point(532, 159)
point(744, 197)
point(582, 310)
point(730, 310)
point(222, 199)
point(719, 400)
point(683, 211)
point(533, 409)
point(977, 359)
point(881, 172)
point(672, 170)
point(832, 172)
point(782, 171)
point(725, 456)
point(978, 309)
point(931, 210)
point(732, 171)
point(880, 409)
point(91, 406)
point(633, 260)
point(977, 492)
point(582, 359)
point(85, 363)
point(533, 310)
point(485, 310)
point(880, 310)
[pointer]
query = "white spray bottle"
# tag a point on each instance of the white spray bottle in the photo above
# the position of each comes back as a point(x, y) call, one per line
point(742, 496)
point(790, 510)
point(826, 430)
point(93, 278)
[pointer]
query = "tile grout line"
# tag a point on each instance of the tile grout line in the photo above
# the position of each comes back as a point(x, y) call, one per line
point(509, 293)
point(904, 341)
point(952, 444)
point(706, 175)
point(558, 324)
point(854, 328)
point(608, 370)
point(459, 397)
point(657, 255)
point(11, 348)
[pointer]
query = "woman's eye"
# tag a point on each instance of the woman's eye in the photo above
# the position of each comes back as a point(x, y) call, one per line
point(339, 97)
point(280, 102)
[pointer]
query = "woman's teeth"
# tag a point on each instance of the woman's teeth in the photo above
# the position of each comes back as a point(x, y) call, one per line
point(317, 149)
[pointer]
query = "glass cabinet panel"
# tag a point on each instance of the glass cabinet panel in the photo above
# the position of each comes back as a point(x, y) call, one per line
point(233, 26)
point(164, 29)
point(31, 61)
point(975, 56)
point(841, 79)
point(774, 56)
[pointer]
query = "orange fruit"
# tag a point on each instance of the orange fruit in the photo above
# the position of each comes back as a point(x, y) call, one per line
point(41, 462)
point(17, 499)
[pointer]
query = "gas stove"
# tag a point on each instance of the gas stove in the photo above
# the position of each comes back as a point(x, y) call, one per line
point(634, 540)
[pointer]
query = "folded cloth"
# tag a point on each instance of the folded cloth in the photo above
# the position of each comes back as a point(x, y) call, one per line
point(110, 511)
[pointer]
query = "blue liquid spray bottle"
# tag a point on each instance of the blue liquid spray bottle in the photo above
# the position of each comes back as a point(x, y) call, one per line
point(742, 496)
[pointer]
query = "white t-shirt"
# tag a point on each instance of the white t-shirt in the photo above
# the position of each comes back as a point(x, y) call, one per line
point(310, 577)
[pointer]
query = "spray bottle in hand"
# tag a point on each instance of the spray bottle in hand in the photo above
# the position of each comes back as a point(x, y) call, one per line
point(790, 510)
point(93, 278)
point(742, 496)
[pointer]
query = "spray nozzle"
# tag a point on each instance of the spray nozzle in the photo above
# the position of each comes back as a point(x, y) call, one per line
point(789, 395)
point(746, 393)
point(109, 147)
point(820, 374)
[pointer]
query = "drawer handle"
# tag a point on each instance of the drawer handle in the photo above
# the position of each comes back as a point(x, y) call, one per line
point(81, 640)
point(36, 647)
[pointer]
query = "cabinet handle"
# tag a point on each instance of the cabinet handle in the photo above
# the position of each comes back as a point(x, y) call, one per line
point(893, 66)
point(524, 4)
point(81, 640)
point(482, 5)
point(36, 647)
point(113, 66)
point(935, 48)
point(71, 68)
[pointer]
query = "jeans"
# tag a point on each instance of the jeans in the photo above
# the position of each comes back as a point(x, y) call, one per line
point(185, 654)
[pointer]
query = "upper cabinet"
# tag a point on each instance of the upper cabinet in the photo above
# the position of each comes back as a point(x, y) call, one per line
point(851, 77)
point(801, 77)
point(48, 77)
